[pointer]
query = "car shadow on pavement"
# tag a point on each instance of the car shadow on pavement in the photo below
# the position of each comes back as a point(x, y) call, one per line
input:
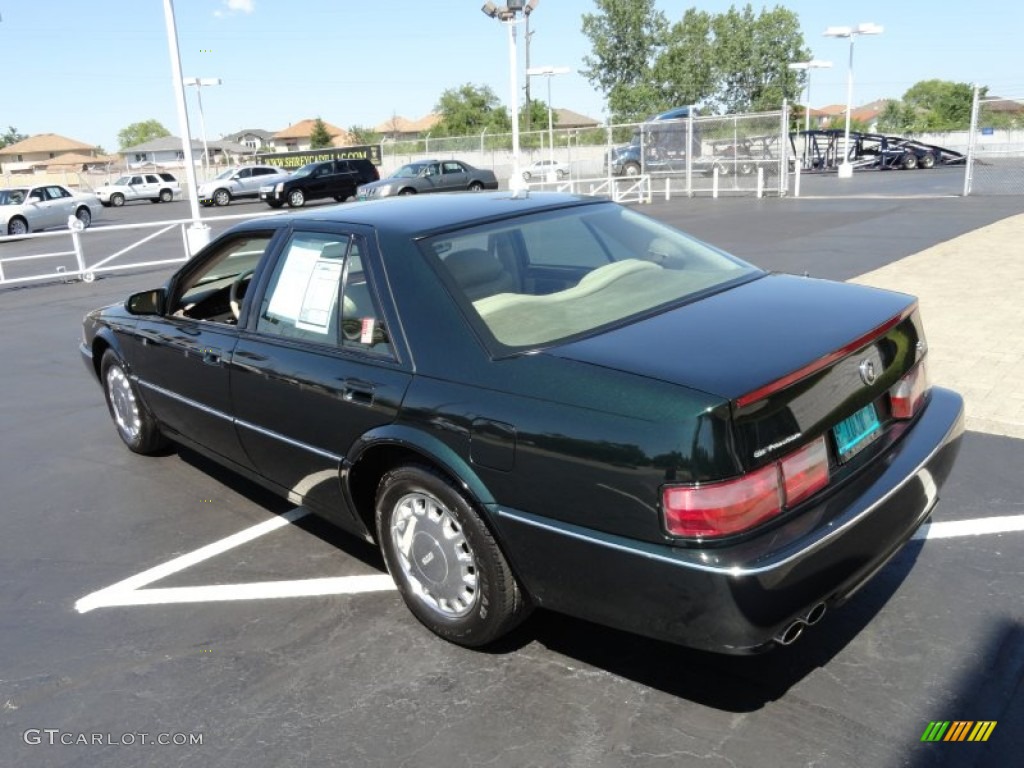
point(729, 683)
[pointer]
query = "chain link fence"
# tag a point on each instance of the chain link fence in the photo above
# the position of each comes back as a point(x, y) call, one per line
point(995, 157)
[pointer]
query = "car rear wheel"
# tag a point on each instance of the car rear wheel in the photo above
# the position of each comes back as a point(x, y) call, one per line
point(476, 186)
point(222, 197)
point(296, 198)
point(448, 567)
point(166, 195)
point(117, 199)
point(135, 425)
point(926, 161)
point(527, 175)
point(84, 215)
point(17, 226)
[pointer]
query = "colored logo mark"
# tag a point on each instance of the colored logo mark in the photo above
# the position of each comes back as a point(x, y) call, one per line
point(958, 730)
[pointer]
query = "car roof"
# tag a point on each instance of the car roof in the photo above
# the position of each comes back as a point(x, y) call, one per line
point(424, 214)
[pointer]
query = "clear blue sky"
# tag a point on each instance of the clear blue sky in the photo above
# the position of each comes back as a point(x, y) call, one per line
point(87, 69)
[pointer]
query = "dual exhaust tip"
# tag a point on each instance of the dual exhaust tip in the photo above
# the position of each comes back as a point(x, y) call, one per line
point(792, 633)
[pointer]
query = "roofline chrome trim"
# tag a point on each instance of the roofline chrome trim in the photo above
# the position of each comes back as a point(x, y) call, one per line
point(241, 423)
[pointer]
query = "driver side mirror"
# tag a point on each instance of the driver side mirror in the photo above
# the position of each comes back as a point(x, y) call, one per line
point(146, 302)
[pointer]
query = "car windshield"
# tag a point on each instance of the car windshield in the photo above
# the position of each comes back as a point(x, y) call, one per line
point(408, 172)
point(305, 170)
point(12, 196)
point(549, 276)
point(227, 174)
point(124, 180)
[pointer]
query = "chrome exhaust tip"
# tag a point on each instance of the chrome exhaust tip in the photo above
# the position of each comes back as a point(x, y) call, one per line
point(816, 614)
point(791, 633)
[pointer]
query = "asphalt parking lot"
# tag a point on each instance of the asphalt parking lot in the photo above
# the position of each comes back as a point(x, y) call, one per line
point(98, 644)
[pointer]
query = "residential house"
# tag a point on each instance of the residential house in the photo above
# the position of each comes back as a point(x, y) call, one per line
point(398, 128)
point(566, 118)
point(167, 152)
point(254, 139)
point(296, 138)
point(36, 152)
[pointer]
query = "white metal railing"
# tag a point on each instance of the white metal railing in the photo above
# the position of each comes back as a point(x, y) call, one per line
point(86, 271)
point(621, 189)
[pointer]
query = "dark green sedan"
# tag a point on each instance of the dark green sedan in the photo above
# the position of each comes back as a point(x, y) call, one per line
point(549, 401)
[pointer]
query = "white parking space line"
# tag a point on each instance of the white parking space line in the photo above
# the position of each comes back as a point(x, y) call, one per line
point(983, 525)
point(130, 591)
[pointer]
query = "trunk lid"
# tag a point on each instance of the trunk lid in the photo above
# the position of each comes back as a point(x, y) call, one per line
point(794, 356)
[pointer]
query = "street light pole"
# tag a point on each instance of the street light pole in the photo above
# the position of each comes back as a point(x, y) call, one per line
point(807, 66)
point(548, 72)
point(845, 168)
point(507, 14)
point(199, 82)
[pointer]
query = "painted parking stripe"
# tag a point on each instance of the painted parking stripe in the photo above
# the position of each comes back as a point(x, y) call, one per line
point(130, 591)
point(981, 526)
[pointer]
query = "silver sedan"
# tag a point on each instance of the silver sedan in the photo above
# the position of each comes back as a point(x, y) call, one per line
point(30, 209)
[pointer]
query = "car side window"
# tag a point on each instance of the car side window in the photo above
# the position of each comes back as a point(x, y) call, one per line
point(319, 292)
point(245, 173)
point(136, 180)
point(206, 293)
point(57, 193)
point(152, 180)
point(37, 195)
point(452, 168)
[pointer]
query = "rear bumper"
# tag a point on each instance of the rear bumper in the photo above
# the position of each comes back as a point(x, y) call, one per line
point(737, 599)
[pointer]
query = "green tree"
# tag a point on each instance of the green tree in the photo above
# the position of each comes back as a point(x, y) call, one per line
point(363, 135)
point(468, 110)
point(140, 133)
point(626, 38)
point(319, 136)
point(896, 117)
point(939, 105)
point(736, 61)
point(11, 136)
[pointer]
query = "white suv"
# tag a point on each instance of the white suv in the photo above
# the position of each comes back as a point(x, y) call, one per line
point(155, 187)
point(237, 183)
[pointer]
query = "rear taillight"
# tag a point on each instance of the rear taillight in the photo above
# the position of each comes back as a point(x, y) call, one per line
point(906, 395)
point(732, 506)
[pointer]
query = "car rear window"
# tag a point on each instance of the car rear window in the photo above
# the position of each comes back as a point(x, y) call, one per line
point(549, 276)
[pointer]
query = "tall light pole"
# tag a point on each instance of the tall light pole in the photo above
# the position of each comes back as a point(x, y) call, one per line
point(508, 15)
point(548, 72)
point(807, 66)
point(198, 234)
point(200, 83)
point(845, 169)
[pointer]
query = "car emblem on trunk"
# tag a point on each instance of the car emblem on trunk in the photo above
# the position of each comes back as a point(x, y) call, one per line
point(867, 371)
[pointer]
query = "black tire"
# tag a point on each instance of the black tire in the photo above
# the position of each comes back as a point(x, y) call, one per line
point(166, 195)
point(105, 204)
point(926, 161)
point(476, 186)
point(296, 198)
point(908, 162)
point(631, 169)
point(18, 226)
point(527, 175)
point(452, 574)
point(117, 199)
point(135, 425)
point(84, 215)
point(222, 197)
point(408, 191)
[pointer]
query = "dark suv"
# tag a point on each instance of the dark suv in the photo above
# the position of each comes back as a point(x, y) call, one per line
point(315, 181)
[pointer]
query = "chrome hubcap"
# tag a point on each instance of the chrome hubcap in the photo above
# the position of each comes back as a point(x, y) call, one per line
point(17, 227)
point(434, 555)
point(222, 198)
point(123, 403)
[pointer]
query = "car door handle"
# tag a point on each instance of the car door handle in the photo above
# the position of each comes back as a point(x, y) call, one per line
point(210, 357)
point(356, 391)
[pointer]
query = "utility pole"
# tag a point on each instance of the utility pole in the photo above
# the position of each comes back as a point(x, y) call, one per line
point(529, 36)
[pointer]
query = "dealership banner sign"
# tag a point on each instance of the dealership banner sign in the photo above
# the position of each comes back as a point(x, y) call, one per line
point(293, 160)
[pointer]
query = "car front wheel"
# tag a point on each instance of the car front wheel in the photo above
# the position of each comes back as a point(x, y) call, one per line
point(17, 226)
point(448, 567)
point(222, 197)
point(117, 200)
point(135, 425)
point(296, 198)
point(84, 215)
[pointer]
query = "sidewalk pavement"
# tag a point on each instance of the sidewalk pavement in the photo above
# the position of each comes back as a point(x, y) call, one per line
point(971, 292)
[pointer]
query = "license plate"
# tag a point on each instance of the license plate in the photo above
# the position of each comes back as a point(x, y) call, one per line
point(855, 433)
